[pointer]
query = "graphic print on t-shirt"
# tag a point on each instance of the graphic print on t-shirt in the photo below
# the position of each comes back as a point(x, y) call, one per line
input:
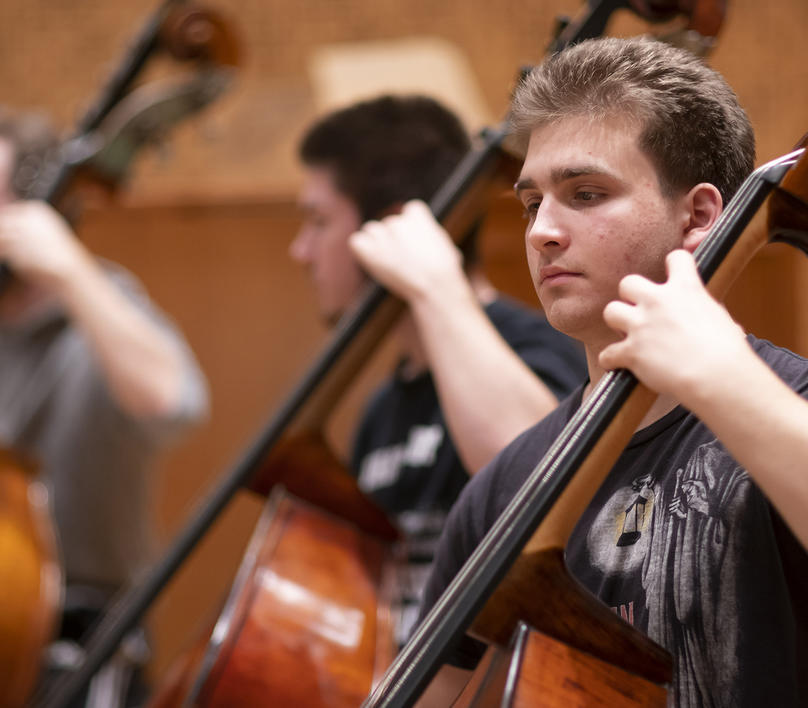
point(665, 550)
point(382, 467)
point(380, 472)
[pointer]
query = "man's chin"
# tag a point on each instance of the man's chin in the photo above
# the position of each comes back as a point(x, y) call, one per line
point(332, 312)
point(568, 321)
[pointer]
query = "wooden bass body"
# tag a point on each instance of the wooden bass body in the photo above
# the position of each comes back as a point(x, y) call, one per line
point(307, 622)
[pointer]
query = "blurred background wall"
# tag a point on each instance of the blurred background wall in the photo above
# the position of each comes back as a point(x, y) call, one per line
point(205, 221)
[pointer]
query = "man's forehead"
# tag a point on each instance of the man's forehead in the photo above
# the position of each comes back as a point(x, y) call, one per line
point(319, 186)
point(574, 147)
point(318, 176)
point(320, 196)
point(590, 128)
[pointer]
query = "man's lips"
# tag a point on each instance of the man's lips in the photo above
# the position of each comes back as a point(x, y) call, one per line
point(555, 273)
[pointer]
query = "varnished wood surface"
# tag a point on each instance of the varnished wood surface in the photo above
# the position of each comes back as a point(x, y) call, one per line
point(308, 623)
point(30, 580)
point(538, 671)
point(588, 682)
point(540, 591)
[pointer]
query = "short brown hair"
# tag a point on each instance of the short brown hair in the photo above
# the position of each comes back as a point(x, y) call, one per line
point(694, 130)
point(387, 150)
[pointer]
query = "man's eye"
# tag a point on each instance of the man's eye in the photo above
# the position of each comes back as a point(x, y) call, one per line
point(584, 196)
point(530, 209)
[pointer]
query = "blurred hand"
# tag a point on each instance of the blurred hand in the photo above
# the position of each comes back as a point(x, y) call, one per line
point(409, 253)
point(39, 245)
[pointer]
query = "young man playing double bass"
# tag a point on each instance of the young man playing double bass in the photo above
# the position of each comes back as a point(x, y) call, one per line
point(634, 149)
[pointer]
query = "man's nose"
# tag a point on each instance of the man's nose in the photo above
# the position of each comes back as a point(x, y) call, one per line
point(300, 247)
point(547, 229)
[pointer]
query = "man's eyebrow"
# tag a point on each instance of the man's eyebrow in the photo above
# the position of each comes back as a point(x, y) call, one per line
point(561, 174)
point(523, 184)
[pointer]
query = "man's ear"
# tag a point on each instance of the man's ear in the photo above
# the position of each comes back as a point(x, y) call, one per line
point(703, 206)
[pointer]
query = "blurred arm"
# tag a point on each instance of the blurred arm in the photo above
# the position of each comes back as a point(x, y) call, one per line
point(141, 362)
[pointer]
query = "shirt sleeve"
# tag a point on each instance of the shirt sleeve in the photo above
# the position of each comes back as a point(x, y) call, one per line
point(193, 406)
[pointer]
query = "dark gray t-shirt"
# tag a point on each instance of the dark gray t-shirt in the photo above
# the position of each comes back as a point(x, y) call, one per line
point(95, 459)
point(680, 542)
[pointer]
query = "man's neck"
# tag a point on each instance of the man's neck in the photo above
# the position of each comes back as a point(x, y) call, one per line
point(412, 353)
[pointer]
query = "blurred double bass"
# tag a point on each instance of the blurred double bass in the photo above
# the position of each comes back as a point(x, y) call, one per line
point(30, 574)
point(96, 156)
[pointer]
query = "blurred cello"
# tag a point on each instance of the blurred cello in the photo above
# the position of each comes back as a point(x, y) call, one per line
point(98, 154)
